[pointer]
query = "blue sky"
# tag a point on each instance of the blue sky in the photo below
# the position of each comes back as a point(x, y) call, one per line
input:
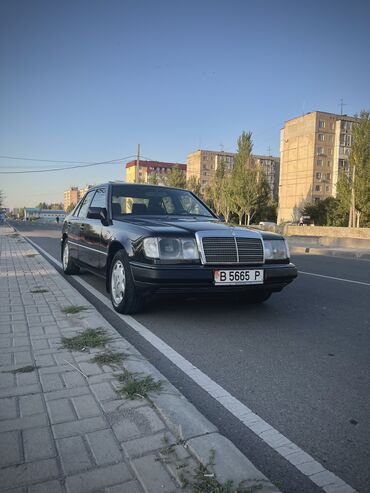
point(89, 80)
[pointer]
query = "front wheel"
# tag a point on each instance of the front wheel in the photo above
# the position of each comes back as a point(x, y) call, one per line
point(123, 294)
point(69, 266)
point(257, 297)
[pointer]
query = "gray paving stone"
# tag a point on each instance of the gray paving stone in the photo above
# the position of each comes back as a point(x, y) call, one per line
point(86, 406)
point(44, 360)
point(6, 380)
point(73, 379)
point(142, 446)
point(98, 478)
point(48, 487)
point(104, 447)
point(5, 359)
point(60, 394)
point(73, 455)
point(324, 478)
point(22, 358)
point(79, 427)
point(24, 423)
point(152, 475)
point(131, 487)
point(33, 472)
point(10, 452)
point(51, 382)
point(31, 404)
point(60, 411)
point(5, 342)
point(8, 408)
point(38, 444)
point(29, 378)
point(309, 468)
point(103, 391)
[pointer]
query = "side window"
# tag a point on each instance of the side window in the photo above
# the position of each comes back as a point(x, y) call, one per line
point(85, 204)
point(99, 199)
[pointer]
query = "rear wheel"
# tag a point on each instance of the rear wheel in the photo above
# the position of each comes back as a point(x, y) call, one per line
point(257, 297)
point(69, 266)
point(124, 296)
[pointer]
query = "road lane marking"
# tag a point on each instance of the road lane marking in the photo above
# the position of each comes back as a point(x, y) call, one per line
point(296, 456)
point(334, 278)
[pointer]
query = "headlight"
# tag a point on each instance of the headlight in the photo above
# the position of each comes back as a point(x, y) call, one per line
point(171, 248)
point(276, 249)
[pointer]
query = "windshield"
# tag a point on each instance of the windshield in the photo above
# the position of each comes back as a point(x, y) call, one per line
point(155, 201)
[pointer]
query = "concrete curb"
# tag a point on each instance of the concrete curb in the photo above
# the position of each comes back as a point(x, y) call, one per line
point(301, 250)
point(188, 425)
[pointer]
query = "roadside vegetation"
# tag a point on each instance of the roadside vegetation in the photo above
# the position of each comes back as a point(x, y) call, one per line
point(134, 385)
point(109, 358)
point(89, 338)
point(73, 309)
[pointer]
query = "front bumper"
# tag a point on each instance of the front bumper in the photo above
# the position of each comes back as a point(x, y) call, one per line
point(188, 279)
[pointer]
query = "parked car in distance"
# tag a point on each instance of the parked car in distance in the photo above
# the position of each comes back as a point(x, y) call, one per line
point(146, 239)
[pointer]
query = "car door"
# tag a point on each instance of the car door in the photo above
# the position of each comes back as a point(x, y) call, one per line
point(80, 226)
point(90, 242)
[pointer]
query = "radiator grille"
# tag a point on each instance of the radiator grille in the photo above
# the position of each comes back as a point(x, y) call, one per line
point(230, 250)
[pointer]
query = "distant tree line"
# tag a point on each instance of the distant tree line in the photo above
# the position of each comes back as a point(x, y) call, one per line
point(55, 206)
point(241, 194)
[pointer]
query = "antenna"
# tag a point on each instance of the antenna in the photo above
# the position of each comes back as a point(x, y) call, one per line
point(269, 150)
point(221, 147)
point(341, 104)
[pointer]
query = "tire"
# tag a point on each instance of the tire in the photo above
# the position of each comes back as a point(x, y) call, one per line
point(123, 293)
point(68, 264)
point(257, 297)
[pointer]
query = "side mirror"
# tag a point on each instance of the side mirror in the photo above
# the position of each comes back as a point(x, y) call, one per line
point(98, 213)
point(221, 217)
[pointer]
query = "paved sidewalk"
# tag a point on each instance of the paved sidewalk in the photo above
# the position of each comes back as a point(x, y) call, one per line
point(63, 427)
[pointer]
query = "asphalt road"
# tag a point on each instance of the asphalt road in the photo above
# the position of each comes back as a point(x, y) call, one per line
point(301, 362)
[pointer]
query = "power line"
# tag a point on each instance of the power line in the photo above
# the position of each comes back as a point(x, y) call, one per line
point(44, 160)
point(113, 161)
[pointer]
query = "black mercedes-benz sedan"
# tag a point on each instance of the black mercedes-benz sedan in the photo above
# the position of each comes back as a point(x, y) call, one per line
point(146, 239)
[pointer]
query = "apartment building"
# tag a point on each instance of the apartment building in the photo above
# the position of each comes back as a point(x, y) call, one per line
point(73, 195)
point(314, 150)
point(150, 168)
point(202, 164)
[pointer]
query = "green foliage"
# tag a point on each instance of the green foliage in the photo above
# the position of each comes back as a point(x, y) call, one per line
point(109, 358)
point(359, 160)
point(44, 205)
point(1, 197)
point(153, 178)
point(193, 184)
point(72, 309)
point(134, 386)
point(327, 212)
point(175, 178)
point(89, 338)
point(70, 208)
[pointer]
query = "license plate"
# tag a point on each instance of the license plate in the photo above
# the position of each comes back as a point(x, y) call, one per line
point(239, 276)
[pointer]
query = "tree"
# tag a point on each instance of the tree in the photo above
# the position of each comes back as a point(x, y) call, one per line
point(175, 178)
point(1, 197)
point(193, 184)
point(249, 188)
point(70, 208)
point(359, 161)
point(42, 205)
point(153, 178)
point(220, 191)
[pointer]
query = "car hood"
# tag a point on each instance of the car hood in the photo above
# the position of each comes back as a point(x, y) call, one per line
point(181, 225)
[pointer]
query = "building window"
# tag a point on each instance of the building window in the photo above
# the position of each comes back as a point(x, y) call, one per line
point(321, 137)
point(319, 162)
point(346, 126)
point(328, 164)
point(317, 188)
point(345, 140)
point(327, 188)
point(205, 158)
point(331, 136)
point(332, 125)
point(328, 176)
point(320, 151)
point(321, 124)
point(318, 176)
point(316, 199)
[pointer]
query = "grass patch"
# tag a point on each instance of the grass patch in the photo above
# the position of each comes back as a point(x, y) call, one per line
point(23, 369)
point(109, 358)
point(205, 481)
point(74, 309)
point(89, 338)
point(134, 386)
point(39, 290)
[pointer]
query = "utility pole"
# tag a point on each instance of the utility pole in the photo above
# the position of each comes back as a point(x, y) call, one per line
point(269, 150)
point(137, 164)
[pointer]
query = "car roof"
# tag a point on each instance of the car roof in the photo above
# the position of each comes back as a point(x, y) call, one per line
point(136, 185)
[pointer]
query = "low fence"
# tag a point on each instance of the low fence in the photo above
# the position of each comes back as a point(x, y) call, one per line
point(327, 231)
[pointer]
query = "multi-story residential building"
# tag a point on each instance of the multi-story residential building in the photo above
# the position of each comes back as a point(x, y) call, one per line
point(150, 168)
point(203, 164)
point(314, 150)
point(73, 195)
